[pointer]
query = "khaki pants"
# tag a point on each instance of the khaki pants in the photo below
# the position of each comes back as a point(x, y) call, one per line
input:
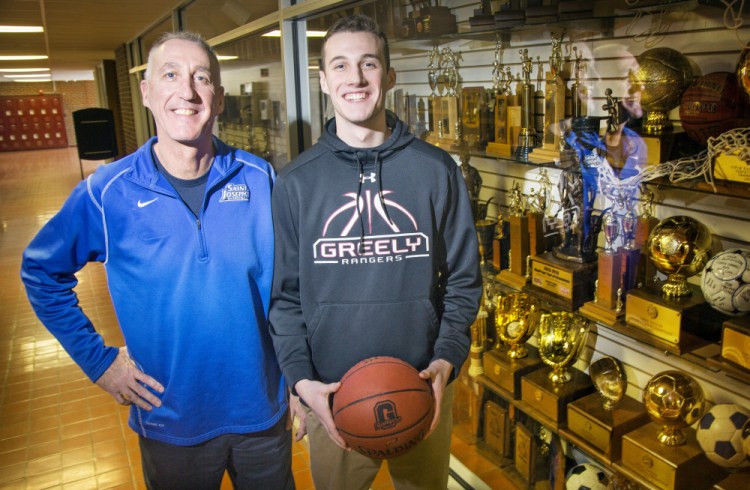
point(423, 468)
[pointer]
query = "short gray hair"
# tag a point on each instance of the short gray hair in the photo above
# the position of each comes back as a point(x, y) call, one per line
point(192, 37)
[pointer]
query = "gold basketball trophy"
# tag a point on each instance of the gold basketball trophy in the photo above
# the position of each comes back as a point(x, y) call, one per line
point(516, 275)
point(527, 135)
point(600, 426)
point(542, 233)
point(446, 131)
point(679, 247)
point(516, 319)
point(665, 452)
point(500, 145)
point(663, 74)
point(554, 107)
point(561, 337)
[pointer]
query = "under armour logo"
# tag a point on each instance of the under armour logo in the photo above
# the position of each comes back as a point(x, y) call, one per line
point(364, 177)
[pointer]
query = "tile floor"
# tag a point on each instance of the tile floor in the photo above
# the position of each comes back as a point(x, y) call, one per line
point(57, 430)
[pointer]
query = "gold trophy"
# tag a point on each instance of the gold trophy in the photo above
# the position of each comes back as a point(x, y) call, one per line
point(663, 74)
point(446, 116)
point(515, 322)
point(516, 275)
point(600, 426)
point(679, 247)
point(500, 145)
point(609, 380)
point(527, 135)
point(516, 319)
point(561, 337)
point(674, 400)
point(554, 106)
point(672, 459)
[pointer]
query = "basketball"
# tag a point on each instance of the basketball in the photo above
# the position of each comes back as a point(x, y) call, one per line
point(383, 408)
point(711, 106)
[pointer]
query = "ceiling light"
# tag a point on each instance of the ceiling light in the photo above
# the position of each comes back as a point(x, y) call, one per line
point(24, 57)
point(17, 29)
point(277, 33)
point(21, 70)
point(226, 57)
point(33, 80)
point(30, 75)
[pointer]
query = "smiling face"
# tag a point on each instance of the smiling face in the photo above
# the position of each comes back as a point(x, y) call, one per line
point(355, 77)
point(180, 92)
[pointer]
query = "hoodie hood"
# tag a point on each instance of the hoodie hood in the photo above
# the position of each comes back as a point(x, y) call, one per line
point(400, 137)
point(365, 158)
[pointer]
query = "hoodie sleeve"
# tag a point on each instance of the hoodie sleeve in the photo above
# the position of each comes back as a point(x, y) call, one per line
point(288, 329)
point(72, 238)
point(463, 279)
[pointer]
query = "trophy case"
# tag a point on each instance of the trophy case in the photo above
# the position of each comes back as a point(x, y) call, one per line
point(587, 93)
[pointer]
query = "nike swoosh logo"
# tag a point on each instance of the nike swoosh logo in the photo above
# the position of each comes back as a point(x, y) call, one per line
point(142, 204)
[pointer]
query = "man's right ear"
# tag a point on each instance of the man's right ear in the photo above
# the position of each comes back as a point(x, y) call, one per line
point(323, 82)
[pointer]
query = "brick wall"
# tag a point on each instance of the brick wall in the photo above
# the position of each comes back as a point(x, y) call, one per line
point(76, 95)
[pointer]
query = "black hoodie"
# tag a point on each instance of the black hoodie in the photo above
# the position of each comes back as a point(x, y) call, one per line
point(399, 278)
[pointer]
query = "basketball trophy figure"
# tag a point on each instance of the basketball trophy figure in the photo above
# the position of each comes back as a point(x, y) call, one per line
point(527, 136)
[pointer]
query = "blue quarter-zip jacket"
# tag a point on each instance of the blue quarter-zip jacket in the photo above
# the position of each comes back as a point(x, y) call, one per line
point(191, 295)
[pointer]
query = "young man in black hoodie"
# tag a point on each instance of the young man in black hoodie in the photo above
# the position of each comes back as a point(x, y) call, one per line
point(376, 255)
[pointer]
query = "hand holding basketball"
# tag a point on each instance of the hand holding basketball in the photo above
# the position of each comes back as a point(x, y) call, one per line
point(383, 407)
point(316, 395)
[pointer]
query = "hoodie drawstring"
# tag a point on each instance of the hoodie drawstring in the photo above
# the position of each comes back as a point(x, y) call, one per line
point(379, 167)
point(359, 211)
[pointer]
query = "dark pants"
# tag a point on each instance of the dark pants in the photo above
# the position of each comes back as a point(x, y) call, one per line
point(253, 461)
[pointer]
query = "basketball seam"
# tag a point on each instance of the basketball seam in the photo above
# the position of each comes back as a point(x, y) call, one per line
point(375, 395)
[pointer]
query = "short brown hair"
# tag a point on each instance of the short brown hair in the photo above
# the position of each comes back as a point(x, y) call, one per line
point(192, 37)
point(357, 23)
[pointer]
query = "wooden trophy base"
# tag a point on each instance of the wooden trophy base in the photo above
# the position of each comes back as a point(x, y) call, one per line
point(594, 428)
point(516, 281)
point(604, 306)
point(525, 451)
point(547, 402)
point(566, 284)
point(735, 481)
point(595, 311)
point(654, 465)
point(497, 429)
point(506, 373)
point(666, 323)
point(735, 341)
point(659, 147)
point(498, 149)
point(545, 155)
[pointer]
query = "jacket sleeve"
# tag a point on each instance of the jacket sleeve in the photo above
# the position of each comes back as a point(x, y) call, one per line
point(73, 237)
point(288, 328)
point(463, 280)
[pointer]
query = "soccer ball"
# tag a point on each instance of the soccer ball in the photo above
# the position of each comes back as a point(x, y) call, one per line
point(586, 476)
point(720, 434)
point(725, 281)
